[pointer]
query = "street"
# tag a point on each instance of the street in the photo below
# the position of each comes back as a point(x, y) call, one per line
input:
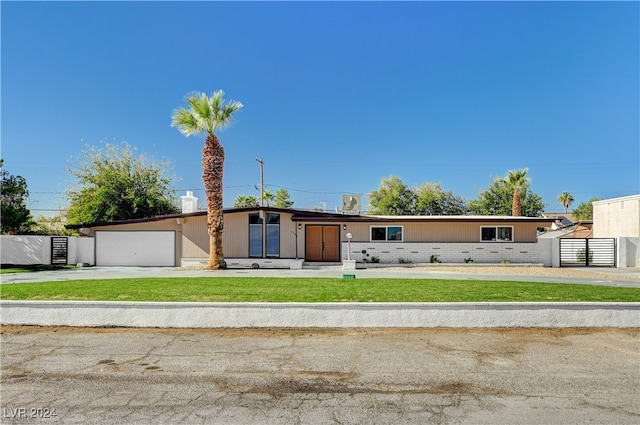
point(319, 376)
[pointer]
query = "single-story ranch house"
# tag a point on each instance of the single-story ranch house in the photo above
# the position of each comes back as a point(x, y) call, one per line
point(272, 237)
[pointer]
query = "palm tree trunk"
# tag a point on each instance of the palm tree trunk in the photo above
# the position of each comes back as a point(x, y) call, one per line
point(516, 209)
point(212, 170)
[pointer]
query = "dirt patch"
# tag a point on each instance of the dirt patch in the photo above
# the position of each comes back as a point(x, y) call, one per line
point(629, 274)
point(527, 333)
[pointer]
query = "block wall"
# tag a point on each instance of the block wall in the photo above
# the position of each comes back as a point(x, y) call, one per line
point(421, 252)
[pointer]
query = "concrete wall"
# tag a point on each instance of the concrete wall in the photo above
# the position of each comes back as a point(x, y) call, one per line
point(336, 315)
point(28, 249)
point(617, 217)
point(450, 252)
point(81, 250)
point(628, 252)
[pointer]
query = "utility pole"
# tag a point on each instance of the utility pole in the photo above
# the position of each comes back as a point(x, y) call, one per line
point(261, 161)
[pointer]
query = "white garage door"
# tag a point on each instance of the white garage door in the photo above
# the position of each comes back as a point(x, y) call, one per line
point(141, 248)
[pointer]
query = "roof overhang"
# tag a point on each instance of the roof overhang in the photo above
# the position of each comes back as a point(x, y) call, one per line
point(420, 218)
point(320, 216)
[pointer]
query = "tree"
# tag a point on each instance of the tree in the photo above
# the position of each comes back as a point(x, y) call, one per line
point(282, 199)
point(115, 184)
point(244, 201)
point(205, 115)
point(268, 196)
point(52, 226)
point(565, 200)
point(393, 198)
point(498, 198)
point(518, 182)
point(584, 210)
point(14, 214)
point(430, 199)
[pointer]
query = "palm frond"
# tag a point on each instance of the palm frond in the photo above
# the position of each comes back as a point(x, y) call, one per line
point(205, 114)
point(201, 109)
point(186, 123)
point(216, 100)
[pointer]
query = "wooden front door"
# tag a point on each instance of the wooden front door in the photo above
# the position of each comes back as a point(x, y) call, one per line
point(322, 243)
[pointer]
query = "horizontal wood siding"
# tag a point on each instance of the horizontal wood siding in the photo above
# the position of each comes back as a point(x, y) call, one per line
point(235, 240)
point(168, 224)
point(195, 239)
point(441, 232)
point(288, 239)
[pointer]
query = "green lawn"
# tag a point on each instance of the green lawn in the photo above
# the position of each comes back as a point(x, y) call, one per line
point(237, 289)
point(10, 268)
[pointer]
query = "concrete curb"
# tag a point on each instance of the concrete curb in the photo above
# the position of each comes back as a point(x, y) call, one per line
point(329, 315)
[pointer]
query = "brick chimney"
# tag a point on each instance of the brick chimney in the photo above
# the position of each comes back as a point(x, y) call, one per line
point(189, 203)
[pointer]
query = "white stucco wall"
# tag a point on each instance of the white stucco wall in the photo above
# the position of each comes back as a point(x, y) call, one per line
point(25, 250)
point(19, 249)
point(337, 315)
point(617, 217)
point(628, 252)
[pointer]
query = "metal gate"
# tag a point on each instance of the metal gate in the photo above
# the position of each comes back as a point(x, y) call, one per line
point(59, 250)
point(588, 252)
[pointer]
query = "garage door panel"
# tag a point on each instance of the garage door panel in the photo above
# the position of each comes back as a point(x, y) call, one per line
point(140, 248)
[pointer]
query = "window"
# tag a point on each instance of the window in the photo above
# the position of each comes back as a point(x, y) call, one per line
point(386, 233)
point(273, 235)
point(255, 235)
point(496, 234)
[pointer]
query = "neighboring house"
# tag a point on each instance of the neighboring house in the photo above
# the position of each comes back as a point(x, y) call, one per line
point(561, 220)
point(271, 237)
point(580, 230)
point(618, 217)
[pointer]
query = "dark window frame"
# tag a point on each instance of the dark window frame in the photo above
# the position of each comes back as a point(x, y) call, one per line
point(493, 234)
point(382, 234)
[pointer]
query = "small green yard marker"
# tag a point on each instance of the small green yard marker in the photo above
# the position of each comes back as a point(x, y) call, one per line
point(348, 276)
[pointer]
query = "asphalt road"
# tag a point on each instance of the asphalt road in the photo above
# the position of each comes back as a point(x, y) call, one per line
point(320, 376)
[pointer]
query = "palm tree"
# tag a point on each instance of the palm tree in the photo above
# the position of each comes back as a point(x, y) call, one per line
point(517, 181)
point(269, 196)
point(565, 200)
point(244, 201)
point(205, 115)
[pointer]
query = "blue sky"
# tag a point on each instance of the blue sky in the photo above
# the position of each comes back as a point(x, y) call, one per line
point(337, 95)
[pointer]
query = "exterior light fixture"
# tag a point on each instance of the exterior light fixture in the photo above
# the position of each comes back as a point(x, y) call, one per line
point(344, 227)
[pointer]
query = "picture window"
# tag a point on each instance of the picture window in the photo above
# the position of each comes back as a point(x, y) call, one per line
point(386, 234)
point(496, 234)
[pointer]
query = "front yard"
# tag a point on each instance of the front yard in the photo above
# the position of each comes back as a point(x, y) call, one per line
point(313, 290)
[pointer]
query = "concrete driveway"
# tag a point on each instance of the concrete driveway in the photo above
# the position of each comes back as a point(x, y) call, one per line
point(623, 277)
point(320, 376)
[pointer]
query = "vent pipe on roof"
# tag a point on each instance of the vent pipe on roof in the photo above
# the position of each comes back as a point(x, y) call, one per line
point(189, 203)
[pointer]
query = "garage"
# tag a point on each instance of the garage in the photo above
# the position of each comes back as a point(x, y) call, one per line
point(135, 248)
